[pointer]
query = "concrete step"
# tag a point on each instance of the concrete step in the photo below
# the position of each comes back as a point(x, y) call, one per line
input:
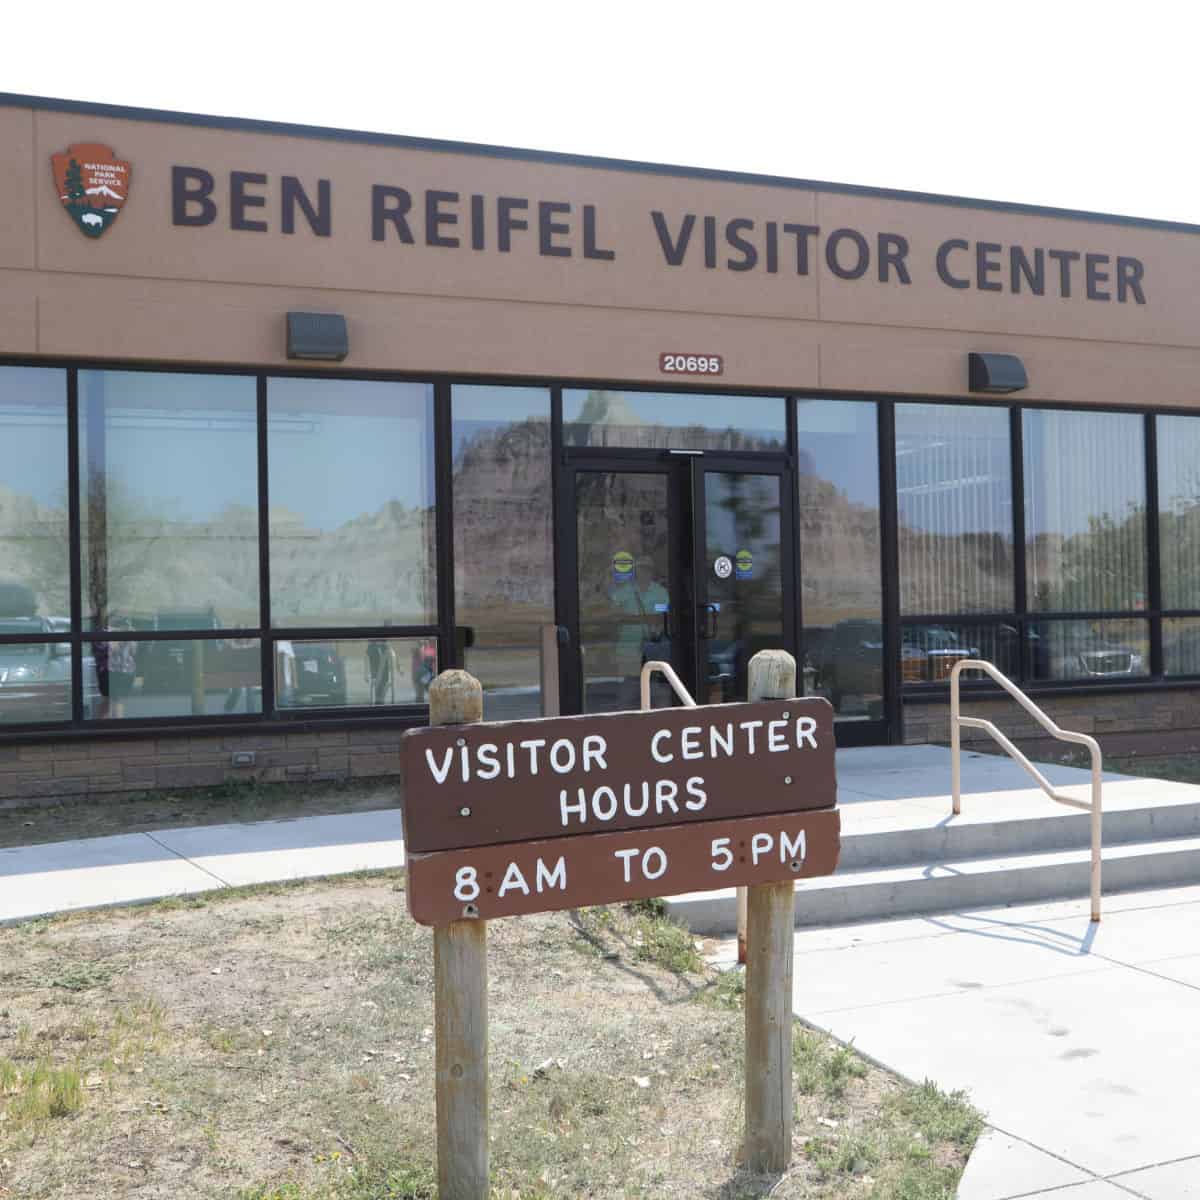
point(945, 886)
point(877, 845)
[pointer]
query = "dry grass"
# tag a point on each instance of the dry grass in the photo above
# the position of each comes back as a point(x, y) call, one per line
point(234, 802)
point(276, 1044)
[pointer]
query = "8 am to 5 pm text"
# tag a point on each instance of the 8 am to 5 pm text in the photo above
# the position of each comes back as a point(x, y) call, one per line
point(519, 878)
point(691, 364)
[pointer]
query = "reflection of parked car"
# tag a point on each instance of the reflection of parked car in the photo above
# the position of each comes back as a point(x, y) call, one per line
point(1064, 651)
point(309, 674)
point(167, 666)
point(35, 680)
point(930, 653)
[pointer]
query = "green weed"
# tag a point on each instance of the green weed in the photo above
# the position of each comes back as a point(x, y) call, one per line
point(667, 944)
point(38, 1094)
point(939, 1116)
point(83, 976)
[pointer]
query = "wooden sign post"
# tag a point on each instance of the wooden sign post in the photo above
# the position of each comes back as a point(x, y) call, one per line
point(770, 929)
point(460, 1003)
point(517, 817)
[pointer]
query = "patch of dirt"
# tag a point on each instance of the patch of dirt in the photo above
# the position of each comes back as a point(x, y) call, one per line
point(279, 1043)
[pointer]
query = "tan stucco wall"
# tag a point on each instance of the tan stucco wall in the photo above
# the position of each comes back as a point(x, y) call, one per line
point(153, 291)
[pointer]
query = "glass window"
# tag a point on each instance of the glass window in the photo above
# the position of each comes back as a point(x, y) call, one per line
point(503, 540)
point(1179, 510)
point(351, 502)
point(954, 508)
point(34, 543)
point(35, 678)
point(1085, 511)
point(169, 500)
point(1096, 651)
point(1181, 646)
point(744, 608)
point(673, 420)
point(625, 543)
point(928, 652)
point(840, 568)
point(187, 678)
point(358, 673)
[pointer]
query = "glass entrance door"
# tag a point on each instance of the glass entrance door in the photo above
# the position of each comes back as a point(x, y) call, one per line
point(685, 560)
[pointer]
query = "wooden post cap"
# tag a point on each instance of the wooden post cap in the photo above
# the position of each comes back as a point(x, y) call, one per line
point(455, 698)
point(772, 675)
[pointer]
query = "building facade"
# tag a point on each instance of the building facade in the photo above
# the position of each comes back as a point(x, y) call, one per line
point(291, 418)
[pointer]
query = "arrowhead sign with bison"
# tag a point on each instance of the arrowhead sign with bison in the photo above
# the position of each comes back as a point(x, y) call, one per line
point(93, 185)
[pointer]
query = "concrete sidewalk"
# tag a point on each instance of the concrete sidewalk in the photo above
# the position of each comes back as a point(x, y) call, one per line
point(1079, 1042)
point(56, 877)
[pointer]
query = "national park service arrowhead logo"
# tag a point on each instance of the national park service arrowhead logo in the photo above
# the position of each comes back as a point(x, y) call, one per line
point(93, 185)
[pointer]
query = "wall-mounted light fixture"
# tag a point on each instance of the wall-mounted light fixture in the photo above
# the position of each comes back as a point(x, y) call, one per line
point(996, 373)
point(317, 336)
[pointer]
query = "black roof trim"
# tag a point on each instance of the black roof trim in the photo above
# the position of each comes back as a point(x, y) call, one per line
point(558, 158)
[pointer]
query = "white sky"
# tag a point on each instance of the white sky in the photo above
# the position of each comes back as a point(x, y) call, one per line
point(1080, 105)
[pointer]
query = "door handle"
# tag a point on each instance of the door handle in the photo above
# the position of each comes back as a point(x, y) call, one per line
point(708, 621)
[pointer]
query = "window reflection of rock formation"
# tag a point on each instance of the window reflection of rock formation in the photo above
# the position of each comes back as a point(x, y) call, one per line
point(630, 419)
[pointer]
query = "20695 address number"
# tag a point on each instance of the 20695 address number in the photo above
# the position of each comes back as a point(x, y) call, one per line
point(691, 364)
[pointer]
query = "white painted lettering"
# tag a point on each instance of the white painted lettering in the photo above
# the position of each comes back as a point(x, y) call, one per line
point(549, 879)
point(509, 751)
point(695, 788)
point(466, 883)
point(487, 764)
point(465, 759)
point(604, 804)
point(689, 742)
point(514, 881)
point(720, 849)
point(665, 791)
point(533, 745)
point(790, 851)
point(439, 773)
point(649, 871)
point(629, 807)
point(625, 856)
point(594, 748)
point(720, 741)
point(760, 843)
point(750, 727)
point(806, 731)
point(775, 736)
point(569, 810)
point(662, 758)
point(562, 756)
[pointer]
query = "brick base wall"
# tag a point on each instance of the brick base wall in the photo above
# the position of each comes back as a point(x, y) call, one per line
point(1145, 723)
point(50, 771)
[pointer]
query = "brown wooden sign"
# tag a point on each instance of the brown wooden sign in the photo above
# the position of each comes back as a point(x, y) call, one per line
point(612, 868)
point(483, 785)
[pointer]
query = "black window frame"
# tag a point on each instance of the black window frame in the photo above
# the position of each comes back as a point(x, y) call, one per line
point(448, 638)
point(1022, 615)
point(271, 717)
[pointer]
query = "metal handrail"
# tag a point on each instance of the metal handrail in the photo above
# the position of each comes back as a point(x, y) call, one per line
point(664, 668)
point(1063, 735)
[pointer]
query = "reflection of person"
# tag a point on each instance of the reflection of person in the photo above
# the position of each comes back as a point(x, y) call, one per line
point(642, 602)
point(121, 668)
point(285, 674)
point(424, 668)
point(381, 671)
